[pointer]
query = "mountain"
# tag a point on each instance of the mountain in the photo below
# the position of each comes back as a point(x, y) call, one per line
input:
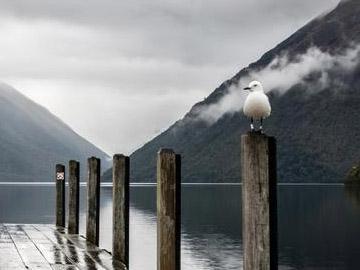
point(32, 140)
point(317, 131)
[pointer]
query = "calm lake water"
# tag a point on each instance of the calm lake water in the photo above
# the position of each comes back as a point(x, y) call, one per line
point(319, 226)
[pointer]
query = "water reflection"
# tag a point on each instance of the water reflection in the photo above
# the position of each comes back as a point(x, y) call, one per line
point(318, 228)
point(353, 194)
point(318, 225)
point(217, 224)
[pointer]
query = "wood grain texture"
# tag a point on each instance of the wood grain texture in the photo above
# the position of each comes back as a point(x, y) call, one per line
point(93, 201)
point(121, 167)
point(60, 195)
point(43, 246)
point(258, 168)
point(168, 210)
point(74, 196)
point(29, 253)
point(9, 255)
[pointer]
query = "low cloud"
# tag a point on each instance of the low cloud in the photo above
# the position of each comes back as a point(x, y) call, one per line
point(135, 65)
point(282, 74)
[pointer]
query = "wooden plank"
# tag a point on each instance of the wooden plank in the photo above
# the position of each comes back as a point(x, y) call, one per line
point(9, 256)
point(63, 267)
point(50, 233)
point(51, 252)
point(93, 201)
point(80, 242)
point(258, 168)
point(32, 246)
point(74, 197)
point(60, 195)
point(101, 256)
point(77, 256)
point(28, 252)
point(121, 186)
point(83, 253)
point(168, 210)
point(80, 258)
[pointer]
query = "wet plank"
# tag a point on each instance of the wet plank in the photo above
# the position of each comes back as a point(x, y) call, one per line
point(34, 246)
point(8, 251)
point(29, 253)
point(101, 256)
point(50, 251)
point(78, 256)
point(63, 267)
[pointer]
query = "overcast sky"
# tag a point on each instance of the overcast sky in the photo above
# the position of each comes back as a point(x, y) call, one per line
point(120, 72)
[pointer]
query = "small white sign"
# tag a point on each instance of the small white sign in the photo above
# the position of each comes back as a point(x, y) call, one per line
point(60, 176)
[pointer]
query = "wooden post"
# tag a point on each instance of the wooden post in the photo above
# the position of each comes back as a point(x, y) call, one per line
point(60, 195)
point(168, 210)
point(74, 191)
point(258, 168)
point(93, 200)
point(121, 208)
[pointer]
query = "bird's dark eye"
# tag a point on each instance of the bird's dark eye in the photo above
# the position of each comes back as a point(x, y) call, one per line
point(255, 85)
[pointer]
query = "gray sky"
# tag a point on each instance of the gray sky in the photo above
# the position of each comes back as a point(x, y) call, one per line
point(120, 72)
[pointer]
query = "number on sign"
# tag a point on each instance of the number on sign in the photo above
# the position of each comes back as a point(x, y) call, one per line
point(60, 176)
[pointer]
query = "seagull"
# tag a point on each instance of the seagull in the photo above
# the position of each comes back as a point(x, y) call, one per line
point(257, 106)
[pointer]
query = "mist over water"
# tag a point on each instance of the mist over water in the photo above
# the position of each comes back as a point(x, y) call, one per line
point(318, 225)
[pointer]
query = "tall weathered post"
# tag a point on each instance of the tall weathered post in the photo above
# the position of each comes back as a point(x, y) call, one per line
point(74, 191)
point(258, 168)
point(93, 200)
point(60, 195)
point(168, 210)
point(121, 208)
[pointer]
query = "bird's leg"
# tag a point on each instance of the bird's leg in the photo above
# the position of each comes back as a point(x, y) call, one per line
point(252, 124)
point(261, 125)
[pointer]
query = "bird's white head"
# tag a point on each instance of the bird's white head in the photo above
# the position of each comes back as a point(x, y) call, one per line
point(254, 86)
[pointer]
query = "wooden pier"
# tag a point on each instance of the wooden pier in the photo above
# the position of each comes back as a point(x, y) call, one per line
point(34, 246)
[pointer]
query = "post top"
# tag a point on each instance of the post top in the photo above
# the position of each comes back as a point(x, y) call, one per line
point(166, 151)
point(93, 158)
point(73, 161)
point(60, 167)
point(119, 156)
